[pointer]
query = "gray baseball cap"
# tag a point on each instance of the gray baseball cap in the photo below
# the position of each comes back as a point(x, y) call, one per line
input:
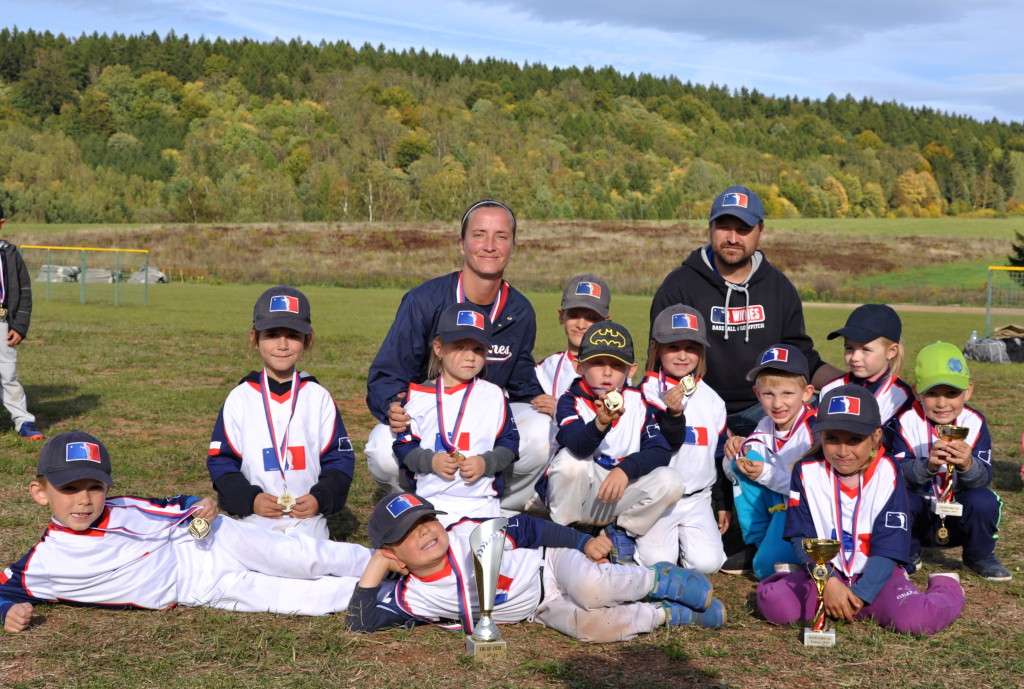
point(74, 455)
point(394, 515)
point(679, 322)
point(282, 307)
point(848, 408)
point(587, 292)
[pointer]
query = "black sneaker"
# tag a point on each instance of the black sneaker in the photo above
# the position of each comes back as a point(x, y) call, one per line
point(989, 568)
point(740, 562)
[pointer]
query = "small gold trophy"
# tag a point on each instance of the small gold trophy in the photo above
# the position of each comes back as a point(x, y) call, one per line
point(945, 505)
point(821, 550)
point(488, 544)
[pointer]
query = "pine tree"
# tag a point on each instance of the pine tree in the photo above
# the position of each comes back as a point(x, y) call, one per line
point(1016, 258)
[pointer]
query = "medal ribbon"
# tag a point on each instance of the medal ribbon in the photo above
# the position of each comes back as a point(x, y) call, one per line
point(450, 444)
point(847, 562)
point(279, 448)
point(3, 287)
point(176, 520)
point(558, 370)
point(496, 307)
point(465, 609)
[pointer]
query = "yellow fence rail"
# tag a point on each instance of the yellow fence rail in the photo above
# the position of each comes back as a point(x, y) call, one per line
point(84, 265)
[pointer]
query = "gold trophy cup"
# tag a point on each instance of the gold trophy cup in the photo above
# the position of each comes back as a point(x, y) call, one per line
point(488, 544)
point(945, 505)
point(821, 550)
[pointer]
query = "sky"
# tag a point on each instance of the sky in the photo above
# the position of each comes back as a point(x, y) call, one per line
point(956, 56)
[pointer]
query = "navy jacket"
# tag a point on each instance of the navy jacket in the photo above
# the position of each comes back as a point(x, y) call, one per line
point(404, 354)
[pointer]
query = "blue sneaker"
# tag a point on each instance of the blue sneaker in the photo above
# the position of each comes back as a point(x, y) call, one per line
point(29, 431)
point(989, 568)
point(686, 586)
point(623, 546)
point(677, 615)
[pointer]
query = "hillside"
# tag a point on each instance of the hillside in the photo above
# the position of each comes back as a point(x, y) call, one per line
point(152, 129)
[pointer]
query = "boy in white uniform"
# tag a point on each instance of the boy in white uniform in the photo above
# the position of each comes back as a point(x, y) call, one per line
point(549, 574)
point(131, 552)
point(613, 461)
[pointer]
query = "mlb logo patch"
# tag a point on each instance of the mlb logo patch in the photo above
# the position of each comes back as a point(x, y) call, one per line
point(473, 319)
point(735, 198)
point(775, 354)
point(696, 435)
point(403, 502)
point(82, 452)
point(844, 405)
point(284, 303)
point(684, 321)
point(588, 289)
point(294, 460)
point(896, 520)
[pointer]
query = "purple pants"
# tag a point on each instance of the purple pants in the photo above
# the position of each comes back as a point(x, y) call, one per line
point(900, 606)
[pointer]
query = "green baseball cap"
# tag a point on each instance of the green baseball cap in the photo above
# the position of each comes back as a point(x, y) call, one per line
point(942, 364)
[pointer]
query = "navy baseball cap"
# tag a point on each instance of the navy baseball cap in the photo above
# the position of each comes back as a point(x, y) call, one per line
point(587, 292)
point(870, 322)
point(394, 515)
point(72, 456)
point(781, 357)
point(848, 408)
point(607, 338)
point(679, 322)
point(739, 202)
point(465, 321)
point(282, 307)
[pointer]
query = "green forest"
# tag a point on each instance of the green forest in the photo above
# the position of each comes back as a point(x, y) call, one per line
point(151, 129)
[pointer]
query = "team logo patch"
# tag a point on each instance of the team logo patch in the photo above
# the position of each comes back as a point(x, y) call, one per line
point(775, 354)
point(737, 315)
point(294, 460)
point(611, 337)
point(82, 452)
point(684, 320)
point(955, 365)
point(844, 405)
point(588, 289)
point(473, 319)
point(734, 198)
point(896, 520)
point(214, 448)
point(696, 435)
point(284, 303)
point(504, 585)
point(402, 503)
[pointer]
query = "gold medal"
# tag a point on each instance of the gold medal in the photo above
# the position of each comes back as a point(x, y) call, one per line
point(689, 384)
point(613, 400)
point(199, 528)
point(942, 535)
point(3, 312)
point(458, 456)
point(286, 501)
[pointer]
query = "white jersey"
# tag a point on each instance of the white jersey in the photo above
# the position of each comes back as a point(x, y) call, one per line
point(891, 392)
point(126, 559)
point(485, 422)
point(438, 597)
point(780, 450)
point(556, 373)
point(626, 433)
point(705, 421)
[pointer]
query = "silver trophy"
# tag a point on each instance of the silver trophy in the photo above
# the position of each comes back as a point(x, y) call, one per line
point(488, 543)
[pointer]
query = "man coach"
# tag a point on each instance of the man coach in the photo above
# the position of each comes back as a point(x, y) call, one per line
point(487, 242)
point(747, 303)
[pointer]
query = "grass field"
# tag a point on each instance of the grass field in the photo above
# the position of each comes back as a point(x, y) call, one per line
point(149, 382)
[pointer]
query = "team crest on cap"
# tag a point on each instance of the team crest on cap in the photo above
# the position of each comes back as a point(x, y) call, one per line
point(775, 354)
point(82, 452)
point(684, 320)
point(588, 289)
point(403, 502)
point(285, 303)
point(955, 365)
point(844, 405)
point(610, 337)
point(734, 198)
point(474, 319)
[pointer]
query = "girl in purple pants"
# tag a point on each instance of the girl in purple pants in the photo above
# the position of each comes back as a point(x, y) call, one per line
point(855, 494)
